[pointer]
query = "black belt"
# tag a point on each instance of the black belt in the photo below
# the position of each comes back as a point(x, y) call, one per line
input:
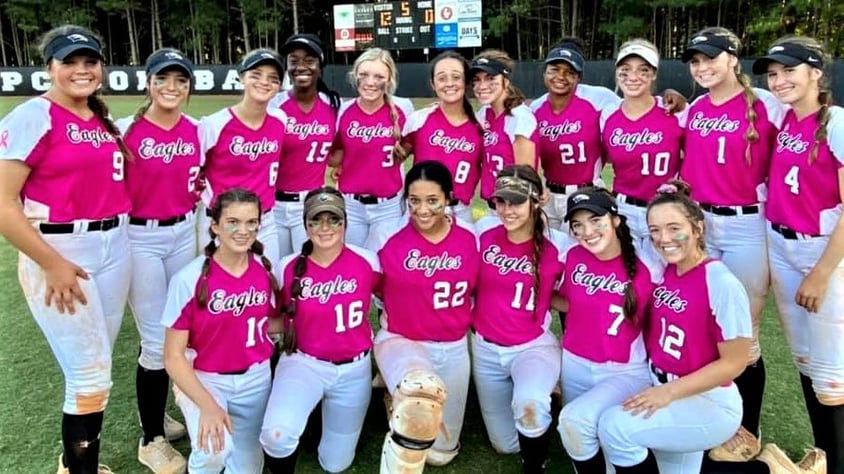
point(69, 228)
point(728, 210)
point(789, 233)
point(161, 222)
point(369, 199)
point(287, 197)
point(561, 188)
point(631, 200)
point(356, 358)
point(660, 374)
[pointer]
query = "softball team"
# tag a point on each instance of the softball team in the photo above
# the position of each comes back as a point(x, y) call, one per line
point(516, 360)
point(510, 133)
point(242, 144)
point(640, 140)
point(568, 118)
point(162, 234)
point(806, 232)
point(217, 346)
point(327, 292)
point(430, 265)
point(606, 292)
point(64, 207)
point(311, 110)
point(367, 154)
point(448, 131)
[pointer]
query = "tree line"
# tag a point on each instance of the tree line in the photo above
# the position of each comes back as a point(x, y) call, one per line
point(221, 31)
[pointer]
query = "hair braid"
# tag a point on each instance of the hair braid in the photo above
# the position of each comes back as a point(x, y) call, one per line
point(202, 292)
point(139, 114)
point(539, 219)
point(258, 249)
point(333, 96)
point(751, 136)
point(100, 109)
point(628, 256)
point(825, 98)
point(299, 269)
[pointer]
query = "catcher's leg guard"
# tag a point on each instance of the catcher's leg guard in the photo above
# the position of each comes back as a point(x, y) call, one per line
point(415, 420)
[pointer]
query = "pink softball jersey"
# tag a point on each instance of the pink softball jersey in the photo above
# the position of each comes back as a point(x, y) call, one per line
point(367, 141)
point(236, 156)
point(691, 314)
point(332, 314)
point(499, 136)
point(230, 333)
point(715, 163)
point(307, 144)
point(76, 168)
point(802, 196)
point(427, 287)
point(458, 147)
point(161, 179)
point(570, 140)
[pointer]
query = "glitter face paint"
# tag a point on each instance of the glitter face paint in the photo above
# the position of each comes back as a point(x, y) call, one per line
point(333, 222)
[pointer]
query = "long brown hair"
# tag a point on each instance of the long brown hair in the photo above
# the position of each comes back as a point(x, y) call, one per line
point(515, 96)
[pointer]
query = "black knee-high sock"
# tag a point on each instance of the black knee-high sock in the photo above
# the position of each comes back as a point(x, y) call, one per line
point(151, 388)
point(835, 456)
point(594, 465)
point(725, 467)
point(534, 452)
point(751, 386)
point(81, 442)
point(648, 466)
point(820, 417)
point(285, 465)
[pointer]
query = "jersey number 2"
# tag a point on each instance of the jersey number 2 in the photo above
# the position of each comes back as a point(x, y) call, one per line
point(448, 296)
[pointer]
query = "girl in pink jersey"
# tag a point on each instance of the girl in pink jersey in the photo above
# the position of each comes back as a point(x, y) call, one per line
point(63, 159)
point(606, 291)
point(242, 144)
point(806, 231)
point(697, 336)
point(640, 140)
point(516, 357)
point(366, 152)
point(430, 265)
point(220, 309)
point(448, 131)
point(569, 133)
point(162, 232)
point(311, 110)
point(728, 142)
point(328, 289)
point(510, 133)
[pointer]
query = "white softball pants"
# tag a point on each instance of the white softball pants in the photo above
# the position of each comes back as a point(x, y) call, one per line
point(244, 398)
point(157, 254)
point(362, 218)
point(83, 342)
point(290, 223)
point(300, 383)
point(514, 386)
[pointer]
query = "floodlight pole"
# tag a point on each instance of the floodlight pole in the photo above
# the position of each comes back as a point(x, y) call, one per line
point(295, 17)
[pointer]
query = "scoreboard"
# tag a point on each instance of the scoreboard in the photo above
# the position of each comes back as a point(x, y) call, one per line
point(408, 24)
point(404, 25)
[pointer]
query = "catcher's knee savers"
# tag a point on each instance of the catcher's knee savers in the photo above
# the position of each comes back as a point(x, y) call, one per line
point(415, 420)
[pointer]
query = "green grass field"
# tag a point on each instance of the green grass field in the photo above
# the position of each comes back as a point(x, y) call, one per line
point(31, 386)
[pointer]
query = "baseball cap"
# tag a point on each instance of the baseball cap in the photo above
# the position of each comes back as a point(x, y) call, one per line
point(649, 55)
point(308, 42)
point(787, 54)
point(325, 202)
point(259, 57)
point(709, 44)
point(63, 46)
point(568, 55)
point(514, 189)
point(168, 58)
point(493, 67)
point(594, 200)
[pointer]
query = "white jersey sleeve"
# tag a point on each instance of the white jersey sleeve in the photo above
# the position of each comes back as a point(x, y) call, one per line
point(522, 122)
point(124, 123)
point(729, 302)
point(600, 97)
point(535, 104)
point(181, 291)
point(405, 104)
point(209, 131)
point(776, 109)
point(835, 133)
point(367, 255)
point(23, 127)
point(285, 261)
point(380, 234)
point(606, 113)
point(417, 119)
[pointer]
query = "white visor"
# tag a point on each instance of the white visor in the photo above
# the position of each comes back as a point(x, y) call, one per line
point(650, 56)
